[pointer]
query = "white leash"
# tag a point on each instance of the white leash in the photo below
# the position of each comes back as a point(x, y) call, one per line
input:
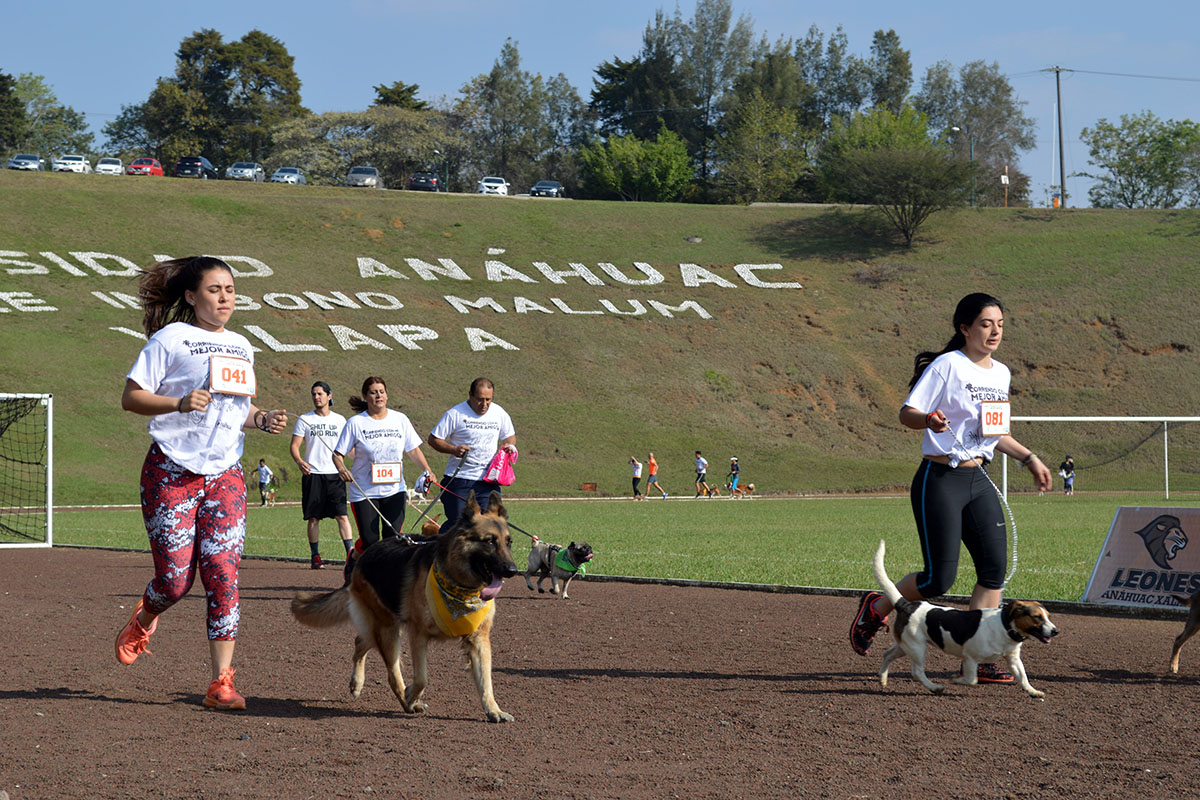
point(1012, 522)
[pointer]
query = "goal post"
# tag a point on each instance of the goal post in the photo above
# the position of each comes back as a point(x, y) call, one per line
point(26, 470)
point(1114, 454)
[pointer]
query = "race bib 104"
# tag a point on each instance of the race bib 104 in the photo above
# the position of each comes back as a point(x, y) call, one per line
point(994, 418)
point(231, 375)
point(385, 471)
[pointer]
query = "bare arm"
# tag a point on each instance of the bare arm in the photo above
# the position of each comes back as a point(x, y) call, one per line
point(417, 456)
point(300, 462)
point(1014, 449)
point(919, 420)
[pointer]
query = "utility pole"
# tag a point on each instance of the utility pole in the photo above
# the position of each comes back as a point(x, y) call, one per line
point(1062, 164)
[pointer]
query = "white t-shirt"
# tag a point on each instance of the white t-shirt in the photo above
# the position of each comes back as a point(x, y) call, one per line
point(701, 464)
point(376, 441)
point(265, 474)
point(637, 469)
point(957, 386)
point(174, 362)
point(482, 432)
point(327, 429)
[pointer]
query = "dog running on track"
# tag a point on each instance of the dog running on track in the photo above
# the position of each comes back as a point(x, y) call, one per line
point(1189, 628)
point(978, 636)
point(742, 491)
point(560, 564)
point(439, 590)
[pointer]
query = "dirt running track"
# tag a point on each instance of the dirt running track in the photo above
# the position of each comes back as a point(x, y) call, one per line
point(623, 691)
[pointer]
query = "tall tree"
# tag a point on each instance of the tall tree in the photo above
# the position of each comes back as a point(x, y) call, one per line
point(888, 161)
point(890, 70)
point(839, 78)
point(263, 89)
point(13, 124)
point(222, 102)
point(641, 95)
point(992, 127)
point(713, 51)
point(51, 128)
point(762, 152)
point(400, 94)
point(1144, 162)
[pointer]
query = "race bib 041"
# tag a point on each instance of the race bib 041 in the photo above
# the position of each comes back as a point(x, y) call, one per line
point(231, 375)
point(994, 418)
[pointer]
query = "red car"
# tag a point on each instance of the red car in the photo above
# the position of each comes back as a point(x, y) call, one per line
point(144, 166)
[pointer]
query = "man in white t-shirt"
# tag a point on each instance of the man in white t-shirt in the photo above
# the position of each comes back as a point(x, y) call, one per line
point(471, 433)
point(702, 476)
point(323, 493)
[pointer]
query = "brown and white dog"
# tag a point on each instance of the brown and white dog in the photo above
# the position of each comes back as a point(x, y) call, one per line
point(743, 491)
point(978, 636)
point(437, 590)
point(1190, 628)
point(560, 564)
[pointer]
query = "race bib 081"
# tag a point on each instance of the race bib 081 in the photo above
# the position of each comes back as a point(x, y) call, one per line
point(994, 418)
point(231, 375)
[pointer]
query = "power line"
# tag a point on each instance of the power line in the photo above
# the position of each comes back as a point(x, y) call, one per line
point(1121, 74)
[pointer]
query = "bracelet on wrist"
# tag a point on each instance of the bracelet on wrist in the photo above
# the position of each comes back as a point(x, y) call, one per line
point(179, 405)
point(928, 417)
point(1029, 459)
point(261, 425)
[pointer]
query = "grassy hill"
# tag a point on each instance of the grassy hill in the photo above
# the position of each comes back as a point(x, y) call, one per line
point(802, 384)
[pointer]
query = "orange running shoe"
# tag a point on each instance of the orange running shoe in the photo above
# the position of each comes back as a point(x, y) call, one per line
point(222, 695)
point(133, 638)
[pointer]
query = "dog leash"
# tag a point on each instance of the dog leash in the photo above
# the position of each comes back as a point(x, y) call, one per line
point(1012, 522)
point(511, 524)
point(439, 497)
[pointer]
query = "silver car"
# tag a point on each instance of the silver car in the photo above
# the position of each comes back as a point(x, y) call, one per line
point(492, 185)
point(110, 166)
point(246, 171)
point(364, 176)
point(289, 175)
point(25, 161)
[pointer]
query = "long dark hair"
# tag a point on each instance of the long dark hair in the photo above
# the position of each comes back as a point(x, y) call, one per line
point(161, 290)
point(965, 313)
point(359, 404)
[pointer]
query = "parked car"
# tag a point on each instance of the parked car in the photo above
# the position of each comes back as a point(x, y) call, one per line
point(73, 163)
point(289, 175)
point(425, 182)
point(547, 189)
point(109, 166)
point(195, 167)
point(491, 185)
point(364, 176)
point(25, 161)
point(246, 171)
point(144, 166)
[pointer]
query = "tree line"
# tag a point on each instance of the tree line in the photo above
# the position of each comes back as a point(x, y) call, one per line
point(703, 112)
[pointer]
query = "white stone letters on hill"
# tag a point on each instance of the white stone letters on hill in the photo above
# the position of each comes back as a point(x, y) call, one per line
point(351, 313)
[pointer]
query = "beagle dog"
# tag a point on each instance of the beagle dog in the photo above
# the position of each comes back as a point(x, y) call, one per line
point(978, 636)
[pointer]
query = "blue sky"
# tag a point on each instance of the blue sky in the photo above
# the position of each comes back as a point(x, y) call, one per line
point(98, 57)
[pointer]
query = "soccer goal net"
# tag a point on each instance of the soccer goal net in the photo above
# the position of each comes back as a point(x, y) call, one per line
point(26, 470)
point(1115, 454)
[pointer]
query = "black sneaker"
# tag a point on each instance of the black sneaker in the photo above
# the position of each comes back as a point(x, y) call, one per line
point(993, 673)
point(317, 563)
point(866, 624)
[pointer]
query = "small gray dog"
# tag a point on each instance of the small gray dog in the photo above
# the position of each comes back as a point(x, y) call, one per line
point(559, 564)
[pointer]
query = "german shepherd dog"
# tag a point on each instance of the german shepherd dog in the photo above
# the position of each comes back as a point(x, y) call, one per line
point(439, 590)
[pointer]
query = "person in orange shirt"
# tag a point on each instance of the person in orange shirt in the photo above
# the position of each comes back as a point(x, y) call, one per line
point(652, 468)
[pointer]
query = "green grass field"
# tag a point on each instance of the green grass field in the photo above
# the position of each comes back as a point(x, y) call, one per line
point(822, 542)
point(803, 385)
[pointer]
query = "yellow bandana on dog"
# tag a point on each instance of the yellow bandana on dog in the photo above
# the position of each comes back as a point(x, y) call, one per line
point(457, 611)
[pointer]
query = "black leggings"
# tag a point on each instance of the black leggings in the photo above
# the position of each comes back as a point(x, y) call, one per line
point(370, 526)
point(953, 507)
point(636, 481)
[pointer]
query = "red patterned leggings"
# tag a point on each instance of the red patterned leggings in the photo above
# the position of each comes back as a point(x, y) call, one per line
point(195, 523)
